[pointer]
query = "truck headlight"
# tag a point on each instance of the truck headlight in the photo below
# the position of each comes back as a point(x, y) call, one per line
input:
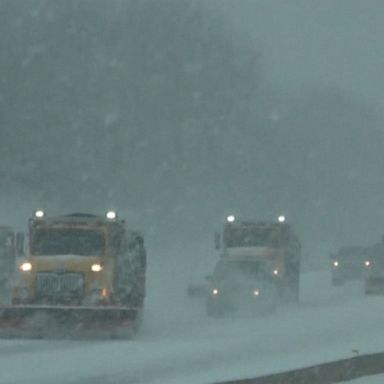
point(39, 214)
point(281, 219)
point(25, 267)
point(96, 268)
point(111, 215)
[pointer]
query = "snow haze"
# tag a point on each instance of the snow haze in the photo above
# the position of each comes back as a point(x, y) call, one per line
point(177, 113)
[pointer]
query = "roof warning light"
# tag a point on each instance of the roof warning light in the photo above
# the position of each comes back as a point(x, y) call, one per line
point(39, 214)
point(230, 219)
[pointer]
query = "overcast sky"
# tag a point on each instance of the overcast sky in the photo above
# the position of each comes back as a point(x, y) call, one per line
point(323, 41)
point(204, 156)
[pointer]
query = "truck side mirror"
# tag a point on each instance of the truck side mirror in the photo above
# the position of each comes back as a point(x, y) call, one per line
point(217, 241)
point(20, 243)
point(137, 242)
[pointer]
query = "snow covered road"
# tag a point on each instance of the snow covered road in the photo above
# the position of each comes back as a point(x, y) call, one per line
point(375, 379)
point(179, 344)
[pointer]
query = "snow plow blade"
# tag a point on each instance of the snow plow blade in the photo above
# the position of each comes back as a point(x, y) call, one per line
point(68, 321)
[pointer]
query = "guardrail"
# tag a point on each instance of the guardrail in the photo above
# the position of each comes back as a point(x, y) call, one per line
point(326, 373)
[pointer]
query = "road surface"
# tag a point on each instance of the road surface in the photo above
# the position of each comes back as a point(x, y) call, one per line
point(179, 344)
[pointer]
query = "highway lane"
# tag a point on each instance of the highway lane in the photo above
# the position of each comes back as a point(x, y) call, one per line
point(178, 343)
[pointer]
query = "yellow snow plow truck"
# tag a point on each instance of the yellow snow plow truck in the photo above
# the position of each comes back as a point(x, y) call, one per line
point(259, 266)
point(81, 274)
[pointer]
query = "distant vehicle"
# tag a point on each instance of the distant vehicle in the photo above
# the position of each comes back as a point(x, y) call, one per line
point(350, 263)
point(259, 260)
point(374, 277)
point(81, 272)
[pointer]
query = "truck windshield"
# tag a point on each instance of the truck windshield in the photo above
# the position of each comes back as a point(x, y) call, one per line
point(250, 237)
point(231, 269)
point(67, 241)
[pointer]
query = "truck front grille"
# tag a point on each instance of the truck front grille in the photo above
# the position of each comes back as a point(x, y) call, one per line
point(59, 285)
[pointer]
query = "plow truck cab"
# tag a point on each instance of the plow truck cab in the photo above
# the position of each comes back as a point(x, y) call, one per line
point(258, 260)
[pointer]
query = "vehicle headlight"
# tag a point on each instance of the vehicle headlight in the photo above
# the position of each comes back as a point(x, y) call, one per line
point(335, 263)
point(281, 219)
point(25, 267)
point(39, 214)
point(256, 292)
point(275, 272)
point(96, 268)
point(367, 263)
point(111, 215)
point(215, 291)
